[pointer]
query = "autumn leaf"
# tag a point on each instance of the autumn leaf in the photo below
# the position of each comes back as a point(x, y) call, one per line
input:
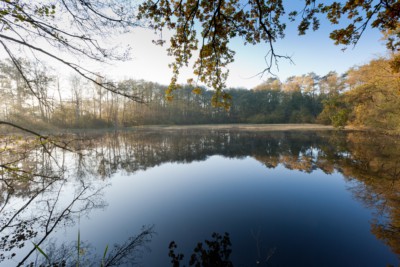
point(197, 91)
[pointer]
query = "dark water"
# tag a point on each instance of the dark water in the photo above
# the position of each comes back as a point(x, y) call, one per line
point(283, 198)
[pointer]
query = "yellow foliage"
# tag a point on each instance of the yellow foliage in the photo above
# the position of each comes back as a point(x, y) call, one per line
point(197, 91)
point(374, 95)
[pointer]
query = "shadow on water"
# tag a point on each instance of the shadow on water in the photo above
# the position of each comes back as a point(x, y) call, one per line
point(45, 188)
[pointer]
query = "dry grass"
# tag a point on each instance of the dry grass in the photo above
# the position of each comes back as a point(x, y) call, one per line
point(247, 127)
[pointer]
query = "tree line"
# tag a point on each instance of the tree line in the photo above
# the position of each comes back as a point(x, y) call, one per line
point(78, 103)
point(365, 96)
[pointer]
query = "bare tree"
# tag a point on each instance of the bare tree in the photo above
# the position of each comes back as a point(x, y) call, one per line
point(62, 30)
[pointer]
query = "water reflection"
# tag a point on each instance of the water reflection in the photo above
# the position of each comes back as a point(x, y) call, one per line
point(43, 188)
point(213, 252)
point(37, 181)
point(72, 254)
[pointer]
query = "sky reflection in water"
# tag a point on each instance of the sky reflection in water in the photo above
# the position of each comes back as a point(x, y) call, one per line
point(298, 199)
point(307, 219)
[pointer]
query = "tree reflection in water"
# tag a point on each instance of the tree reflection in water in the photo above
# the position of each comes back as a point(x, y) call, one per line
point(37, 177)
point(126, 253)
point(213, 253)
point(42, 188)
point(373, 161)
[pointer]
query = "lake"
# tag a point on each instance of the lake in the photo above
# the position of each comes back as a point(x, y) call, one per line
point(251, 198)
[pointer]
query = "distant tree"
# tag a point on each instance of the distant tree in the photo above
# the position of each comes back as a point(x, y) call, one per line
point(331, 84)
point(76, 88)
point(293, 84)
point(14, 84)
point(271, 83)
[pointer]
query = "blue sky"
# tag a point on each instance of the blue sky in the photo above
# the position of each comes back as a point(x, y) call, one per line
point(313, 52)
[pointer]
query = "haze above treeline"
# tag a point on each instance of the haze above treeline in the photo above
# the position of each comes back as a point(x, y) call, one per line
point(366, 96)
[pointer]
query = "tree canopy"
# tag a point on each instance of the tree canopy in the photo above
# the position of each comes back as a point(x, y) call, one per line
point(208, 26)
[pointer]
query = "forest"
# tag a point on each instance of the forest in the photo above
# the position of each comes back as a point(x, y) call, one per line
point(366, 96)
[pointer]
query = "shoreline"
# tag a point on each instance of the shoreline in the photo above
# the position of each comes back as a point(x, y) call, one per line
point(248, 127)
point(202, 127)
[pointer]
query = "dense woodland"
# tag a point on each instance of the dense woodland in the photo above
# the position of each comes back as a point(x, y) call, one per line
point(364, 96)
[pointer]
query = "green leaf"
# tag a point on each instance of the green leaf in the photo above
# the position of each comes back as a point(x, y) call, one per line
point(104, 256)
point(79, 247)
point(41, 252)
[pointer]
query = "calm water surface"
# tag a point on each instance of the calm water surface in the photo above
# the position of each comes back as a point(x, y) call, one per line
point(283, 198)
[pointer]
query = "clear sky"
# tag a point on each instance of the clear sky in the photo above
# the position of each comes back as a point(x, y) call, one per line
point(313, 52)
